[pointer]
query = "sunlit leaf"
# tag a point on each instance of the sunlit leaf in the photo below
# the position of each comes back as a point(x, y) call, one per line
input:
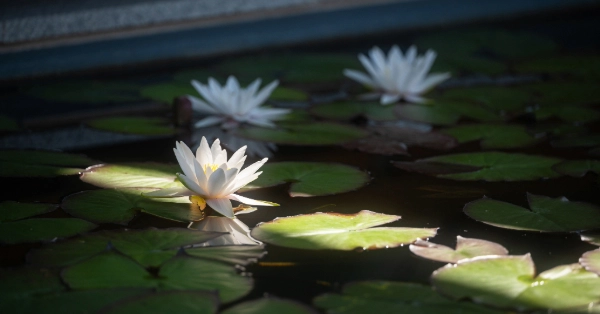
point(546, 214)
point(304, 134)
point(11, 211)
point(166, 92)
point(348, 110)
point(134, 125)
point(149, 247)
point(492, 136)
point(508, 281)
point(35, 163)
point(42, 229)
point(167, 302)
point(86, 92)
point(311, 178)
point(488, 166)
point(270, 305)
point(577, 168)
point(393, 297)
point(495, 97)
point(132, 175)
point(591, 261)
point(338, 231)
point(465, 248)
point(578, 66)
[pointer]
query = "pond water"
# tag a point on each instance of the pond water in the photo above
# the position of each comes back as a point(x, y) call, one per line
point(552, 60)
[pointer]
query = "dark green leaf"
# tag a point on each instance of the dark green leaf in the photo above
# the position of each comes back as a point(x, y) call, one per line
point(11, 211)
point(497, 98)
point(578, 66)
point(8, 124)
point(42, 229)
point(492, 136)
point(26, 281)
point(86, 92)
point(166, 92)
point(350, 109)
point(167, 302)
point(270, 305)
point(134, 125)
point(32, 163)
point(304, 134)
point(577, 168)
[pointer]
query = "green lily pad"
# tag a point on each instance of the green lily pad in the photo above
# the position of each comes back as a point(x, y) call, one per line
point(27, 281)
point(468, 63)
point(321, 133)
point(567, 113)
point(86, 92)
point(11, 211)
point(114, 270)
point(393, 297)
point(338, 231)
point(165, 302)
point(508, 281)
point(563, 94)
point(546, 215)
point(445, 112)
point(133, 175)
point(488, 166)
point(288, 94)
point(311, 178)
point(166, 92)
point(134, 125)
point(270, 305)
point(494, 97)
point(591, 237)
point(579, 66)
point(465, 248)
point(231, 254)
point(42, 229)
point(34, 163)
point(590, 140)
point(591, 261)
point(348, 110)
point(120, 206)
point(492, 136)
point(200, 75)
point(8, 124)
point(577, 168)
point(148, 247)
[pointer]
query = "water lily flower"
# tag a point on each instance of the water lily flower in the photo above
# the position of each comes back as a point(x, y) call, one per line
point(210, 179)
point(397, 76)
point(233, 142)
point(239, 233)
point(231, 105)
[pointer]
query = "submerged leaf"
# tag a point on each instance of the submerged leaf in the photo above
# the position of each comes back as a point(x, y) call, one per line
point(304, 134)
point(42, 229)
point(493, 136)
point(132, 175)
point(134, 125)
point(412, 137)
point(465, 248)
point(338, 231)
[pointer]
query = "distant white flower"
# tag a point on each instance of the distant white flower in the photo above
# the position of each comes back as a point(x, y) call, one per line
point(231, 105)
point(398, 76)
point(233, 142)
point(239, 233)
point(209, 178)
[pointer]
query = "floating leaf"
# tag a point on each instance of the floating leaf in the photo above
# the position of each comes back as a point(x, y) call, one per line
point(492, 136)
point(165, 302)
point(579, 66)
point(311, 178)
point(42, 229)
point(577, 168)
point(132, 175)
point(26, 281)
point(577, 141)
point(495, 97)
point(134, 125)
point(465, 63)
point(591, 261)
point(563, 94)
point(149, 247)
point(270, 305)
point(488, 166)
point(167, 92)
point(508, 281)
point(338, 231)
point(33, 163)
point(445, 112)
point(11, 211)
point(304, 134)
point(288, 94)
point(120, 206)
point(86, 92)
point(111, 270)
point(348, 110)
point(567, 113)
point(8, 124)
point(393, 297)
point(231, 254)
point(465, 248)
point(546, 214)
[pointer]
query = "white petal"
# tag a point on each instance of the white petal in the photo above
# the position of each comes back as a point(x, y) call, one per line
point(387, 99)
point(216, 183)
point(172, 192)
point(221, 205)
point(262, 95)
point(251, 169)
point(201, 106)
point(239, 233)
point(249, 201)
point(208, 121)
point(190, 184)
point(360, 77)
point(203, 155)
point(184, 163)
point(238, 158)
point(431, 81)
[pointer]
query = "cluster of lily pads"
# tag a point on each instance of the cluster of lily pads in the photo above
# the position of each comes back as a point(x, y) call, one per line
point(180, 269)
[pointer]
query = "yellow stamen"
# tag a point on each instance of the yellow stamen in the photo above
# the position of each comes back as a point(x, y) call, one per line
point(198, 201)
point(211, 166)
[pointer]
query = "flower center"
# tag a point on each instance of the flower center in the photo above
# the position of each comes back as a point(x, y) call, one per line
point(211, 166)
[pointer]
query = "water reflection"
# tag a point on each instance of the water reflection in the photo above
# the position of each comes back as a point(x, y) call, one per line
point(238, 232)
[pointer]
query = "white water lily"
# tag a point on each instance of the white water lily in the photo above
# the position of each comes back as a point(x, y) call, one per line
point(231, 105)
point(209, 178)
point(233, 142)
point(397, 76)
point(239, 233)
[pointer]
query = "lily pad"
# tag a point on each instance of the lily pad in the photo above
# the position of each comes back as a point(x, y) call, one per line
point(509, 281)
point(27, 281)
point(578, 66)
point(165, 302)
point(167, 92)
point(134, 125)
point(492, 136)
point(567, 113)
point(348, 110)
point(546, 214)
point(488, 166)
point(11, 211)
point(304, 134)
point(42, 229)
point(120, 206)
point(591, 261)
point(288, 94)
point(149, 247)
point(114, 270)
point(468, 63)
point(563, 94)
point(590, 140)
point(494, 97)
point(34, 163)
point(393, 297)
point(311, 178)
point(577, 168)
point(445, 112)
point(338, 231)
point(8, 124)
point(132, 175)
point(465, 248)
point(270, 305)
point(86, 92)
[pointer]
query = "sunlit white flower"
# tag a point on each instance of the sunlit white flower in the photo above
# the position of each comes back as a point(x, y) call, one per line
point(231, 105)
point(209, 177)
point(398, 76)
point(239, 233)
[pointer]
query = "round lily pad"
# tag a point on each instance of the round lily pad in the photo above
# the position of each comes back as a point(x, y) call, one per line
point(465, 248)
point(42, 229)
point(304, 134)
point(546, 214)
point(134, 125)
point(577, 168)
point(563, 93)
point(567, 113)
point(167, 92)
point(493, 136)
point(270, 305)
point(132, 175)
point(121, 205)
point(488, 166)
point(351, 109)
point(35, 163)
point(168, 301)
point(445, 112)
point(494, 97)
point(393, 297)
point(591, 261)
point(11, 211)
point(338, 231)
point(586, 66)
point(311, 178)
point(149, 247)
point(509, 281)
point(288, 94)
point(27, 281)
